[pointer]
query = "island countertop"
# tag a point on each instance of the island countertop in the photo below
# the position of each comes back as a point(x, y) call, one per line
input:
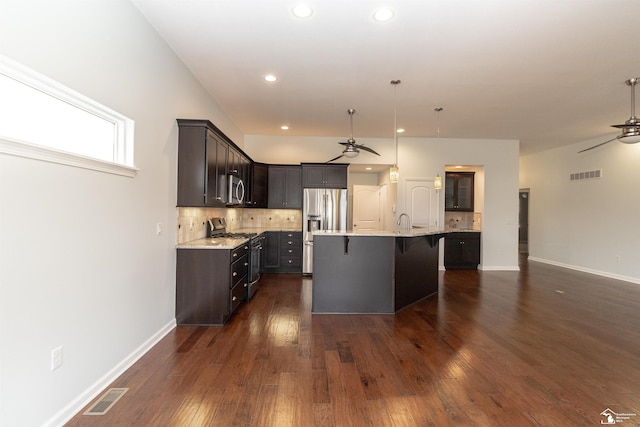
point(413, 232)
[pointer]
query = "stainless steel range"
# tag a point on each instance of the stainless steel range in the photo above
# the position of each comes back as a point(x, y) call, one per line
point(218, 228)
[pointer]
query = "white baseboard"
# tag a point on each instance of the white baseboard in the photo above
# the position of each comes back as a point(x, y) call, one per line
point(499, 268)
point(66, 413)
point(586, 270)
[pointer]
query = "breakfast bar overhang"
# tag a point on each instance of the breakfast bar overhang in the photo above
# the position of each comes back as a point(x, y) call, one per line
point(374, 272)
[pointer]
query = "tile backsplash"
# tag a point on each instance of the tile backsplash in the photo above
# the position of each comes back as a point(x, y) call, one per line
point(192, 222)
point(464, 220)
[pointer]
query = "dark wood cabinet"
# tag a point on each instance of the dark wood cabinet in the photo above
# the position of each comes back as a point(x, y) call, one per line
point(205, 159)
point(283, 252)
point(462, 250)
point(201, 167)
point(210, 284)
point(285, 187)
point(459, 191)
point(324, 176)
point(259, 187)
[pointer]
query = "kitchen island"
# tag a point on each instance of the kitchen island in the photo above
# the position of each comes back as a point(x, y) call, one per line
point(374, 271)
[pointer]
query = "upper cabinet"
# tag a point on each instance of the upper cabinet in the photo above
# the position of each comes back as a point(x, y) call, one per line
point(205, 159)
point(202, 166)
point(285, 187)
point(322, 175)
point(258, 188)
point(458, 194)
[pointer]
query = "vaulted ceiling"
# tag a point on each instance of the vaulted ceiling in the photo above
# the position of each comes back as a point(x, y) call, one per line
point(546, 72)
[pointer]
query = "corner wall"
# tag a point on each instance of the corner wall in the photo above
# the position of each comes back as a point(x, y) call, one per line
point(588, 225)
point(80, 262)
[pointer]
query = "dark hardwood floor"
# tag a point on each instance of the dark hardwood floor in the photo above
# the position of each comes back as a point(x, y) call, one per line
point(545, 346)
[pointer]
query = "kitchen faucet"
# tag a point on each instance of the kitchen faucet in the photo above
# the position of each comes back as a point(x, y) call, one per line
point(400, 220)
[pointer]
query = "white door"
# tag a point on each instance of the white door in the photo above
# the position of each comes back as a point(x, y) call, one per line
point(421, 201)
point(366, 207)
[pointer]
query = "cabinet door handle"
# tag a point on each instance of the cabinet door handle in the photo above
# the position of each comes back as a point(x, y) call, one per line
point(234, 298)
point(246, 264)
point(290, 261)
point(290, 242)
point(290, 250)
point(235, 273)
point(245, 285)
point(235, 254)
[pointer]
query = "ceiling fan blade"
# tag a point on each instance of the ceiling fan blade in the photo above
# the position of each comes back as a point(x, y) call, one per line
point(370, 150)
point(335, 158)
point(596, 146)
point(344, 143)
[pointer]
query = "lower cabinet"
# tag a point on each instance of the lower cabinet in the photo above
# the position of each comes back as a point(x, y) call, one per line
point(462, 251)
point(210, 284)
point(283, 252)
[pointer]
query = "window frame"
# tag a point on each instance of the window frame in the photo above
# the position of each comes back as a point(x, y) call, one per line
point(124, 126)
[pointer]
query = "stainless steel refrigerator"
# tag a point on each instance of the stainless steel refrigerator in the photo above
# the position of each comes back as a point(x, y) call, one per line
point(323, 209)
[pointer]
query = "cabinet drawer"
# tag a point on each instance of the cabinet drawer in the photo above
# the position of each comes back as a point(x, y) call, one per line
point(291, 235)
point(290, 242)
point(239, 269)
point(291, 251)
point(287, 262)
point(239, 251)
point(238, 294)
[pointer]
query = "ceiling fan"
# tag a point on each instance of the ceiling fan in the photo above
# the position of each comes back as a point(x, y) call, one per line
point(631, 128)
point(351, 149)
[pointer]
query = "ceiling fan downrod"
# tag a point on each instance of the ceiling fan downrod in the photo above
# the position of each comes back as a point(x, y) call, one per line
point(631, 128)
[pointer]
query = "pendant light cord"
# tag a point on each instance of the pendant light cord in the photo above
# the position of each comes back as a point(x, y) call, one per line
point(395, 83)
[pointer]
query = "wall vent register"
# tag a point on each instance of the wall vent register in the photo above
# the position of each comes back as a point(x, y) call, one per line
point(596, 174)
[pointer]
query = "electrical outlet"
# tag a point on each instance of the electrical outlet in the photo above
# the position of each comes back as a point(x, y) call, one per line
point(159, 228)
point(56, 358)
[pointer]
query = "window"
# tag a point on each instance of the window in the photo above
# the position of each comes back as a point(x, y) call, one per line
point(44, 120)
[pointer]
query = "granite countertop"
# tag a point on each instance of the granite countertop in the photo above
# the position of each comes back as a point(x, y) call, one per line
point(413, 232)
point(229, 242)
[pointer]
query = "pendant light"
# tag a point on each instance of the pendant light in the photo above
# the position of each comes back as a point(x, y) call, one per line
point(394, 172)
point(437, 181)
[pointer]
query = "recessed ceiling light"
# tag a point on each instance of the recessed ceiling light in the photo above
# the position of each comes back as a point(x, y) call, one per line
point(368, 168)
point(284, 127)
point(302, 10)
point(270, 78)
point(400, 130)
point(383, 14)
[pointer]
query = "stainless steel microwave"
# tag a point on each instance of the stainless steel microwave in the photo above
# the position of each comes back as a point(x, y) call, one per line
point(236, 190)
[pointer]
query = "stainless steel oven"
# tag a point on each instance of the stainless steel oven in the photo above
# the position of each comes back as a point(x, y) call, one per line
point(255, 264)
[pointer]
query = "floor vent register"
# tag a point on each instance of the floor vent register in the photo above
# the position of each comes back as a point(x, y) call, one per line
point(106, 402)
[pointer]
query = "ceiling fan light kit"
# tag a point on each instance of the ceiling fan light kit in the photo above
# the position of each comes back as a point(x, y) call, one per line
point(630, 128)
point(351, 149)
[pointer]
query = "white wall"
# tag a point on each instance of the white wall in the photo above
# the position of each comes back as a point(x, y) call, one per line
point(424, 158)
point(80, 263)
point(585, 225)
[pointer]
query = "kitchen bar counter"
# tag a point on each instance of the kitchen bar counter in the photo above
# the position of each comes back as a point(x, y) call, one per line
point(374, 271)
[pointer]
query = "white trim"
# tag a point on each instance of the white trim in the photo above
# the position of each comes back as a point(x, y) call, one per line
point(47, 154)
point(69, 411)
point(498, 268)
point(587, 270)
